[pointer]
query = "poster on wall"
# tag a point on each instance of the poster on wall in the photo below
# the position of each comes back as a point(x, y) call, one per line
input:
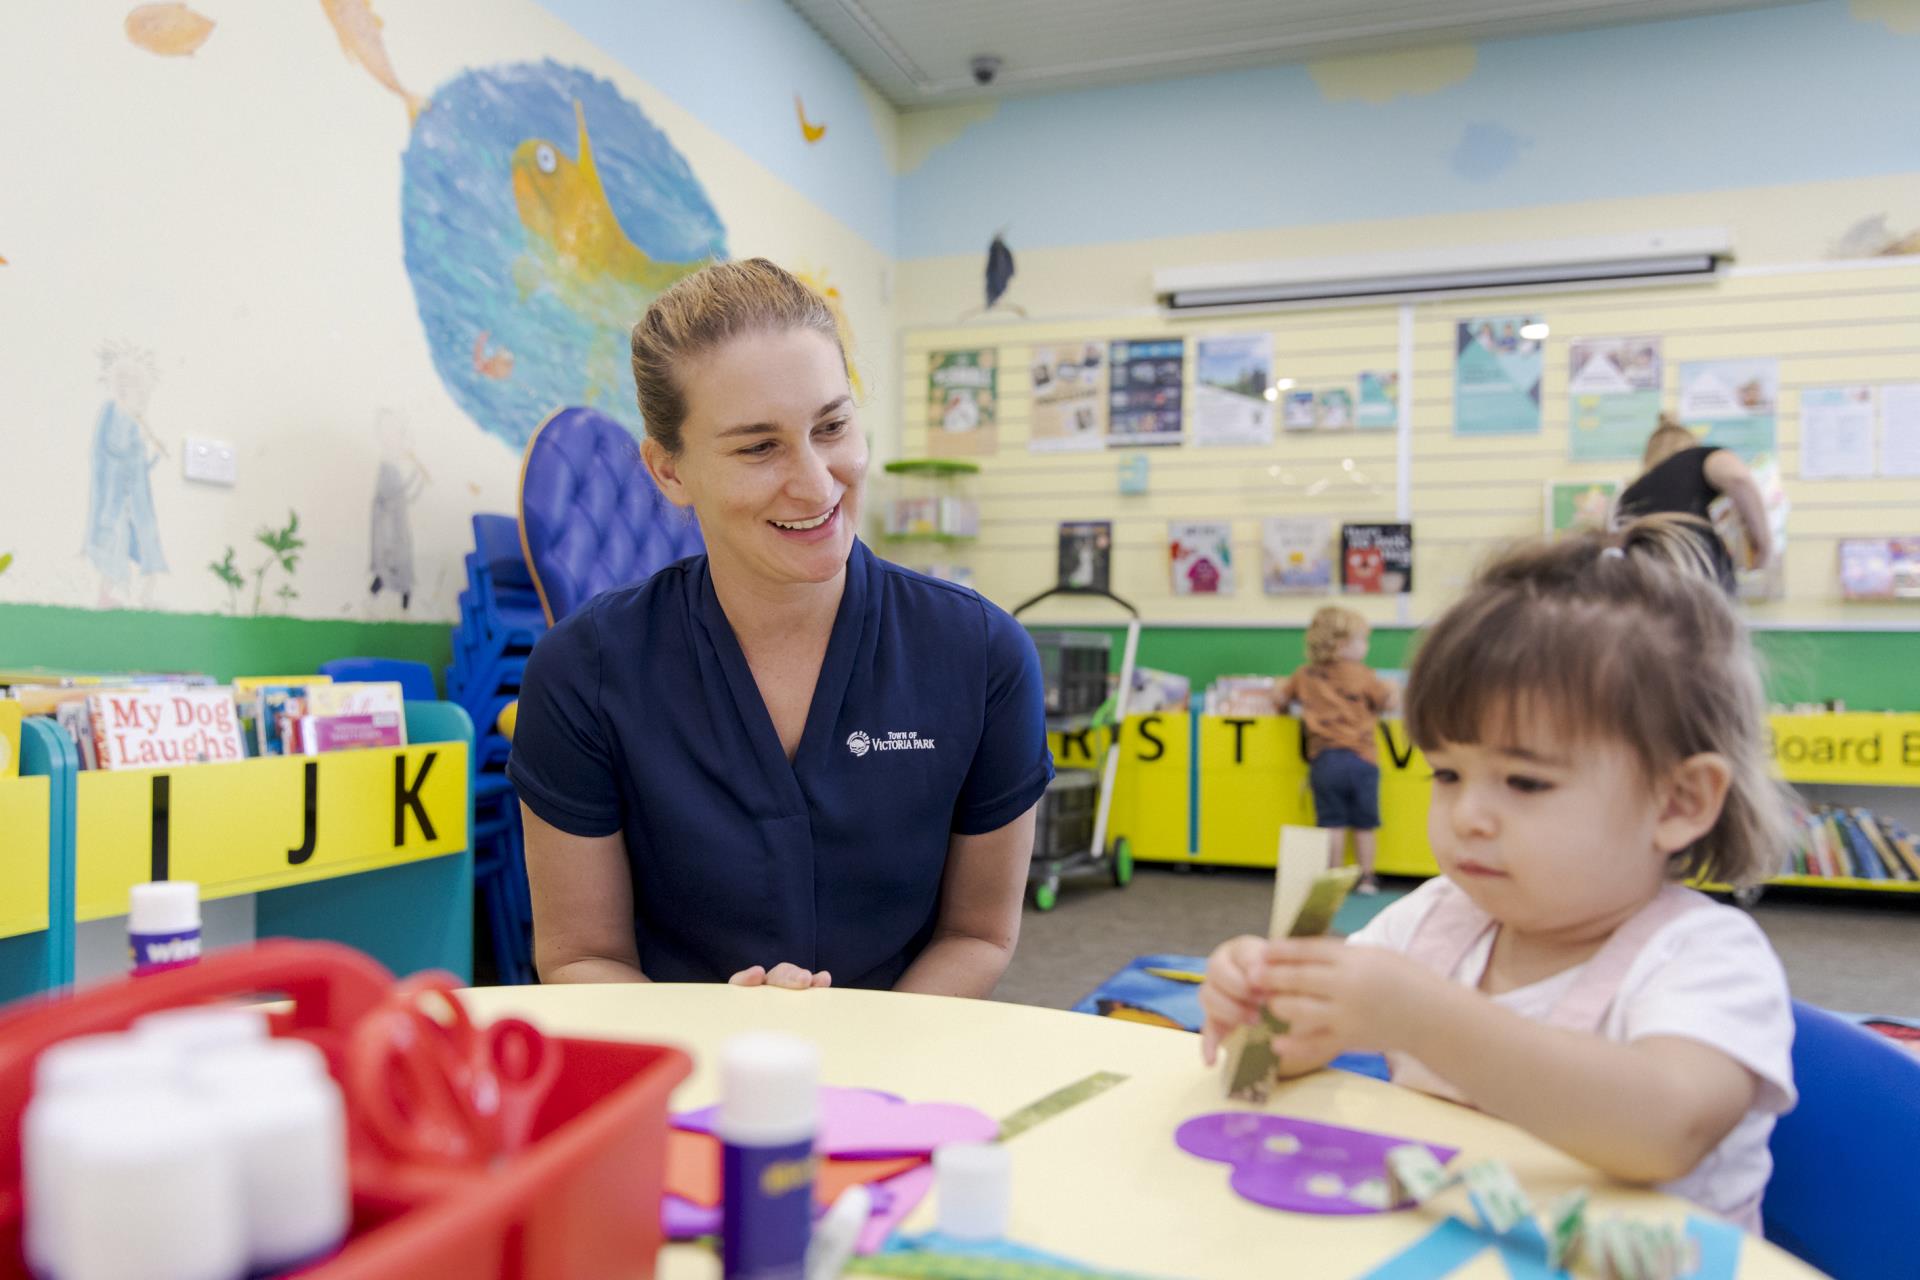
point(1232, 389)
point(1496, 377)
point(1296, 555)
point(1880, 568)
point(1143, 397)
point(1069, 398)
point(963, 403)
point(1379, 404)
point(1336, 409)
point(1614, 386)
point(1735, 400)
point(1300, 410)
point(1900, 429)
point(1086, 554)
point(1836, 433)
point(1201, 552)
point(1579, 506)
point(1376, 559)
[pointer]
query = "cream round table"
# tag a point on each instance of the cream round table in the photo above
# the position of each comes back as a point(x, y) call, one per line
point(1102, 1183)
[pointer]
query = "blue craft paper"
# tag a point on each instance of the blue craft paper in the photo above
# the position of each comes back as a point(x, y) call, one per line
point(1445, 1249)
point(1719, 1248)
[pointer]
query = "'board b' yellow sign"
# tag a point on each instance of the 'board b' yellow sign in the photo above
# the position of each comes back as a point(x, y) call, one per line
point(263, 824)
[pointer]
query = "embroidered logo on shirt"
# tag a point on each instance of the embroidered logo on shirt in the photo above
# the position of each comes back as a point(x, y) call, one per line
point(859, 743)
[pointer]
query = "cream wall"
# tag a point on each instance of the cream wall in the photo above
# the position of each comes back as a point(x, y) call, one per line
point(236, 213)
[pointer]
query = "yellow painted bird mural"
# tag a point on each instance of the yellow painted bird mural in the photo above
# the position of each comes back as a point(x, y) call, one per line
point(577, 248)
point(565, 211)
point(811, 132)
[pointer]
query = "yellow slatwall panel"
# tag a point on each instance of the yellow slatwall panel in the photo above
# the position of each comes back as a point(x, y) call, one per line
point(1825, 326)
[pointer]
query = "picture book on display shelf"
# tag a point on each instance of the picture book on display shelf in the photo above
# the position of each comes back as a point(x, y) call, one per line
point(1376, 559)
point(1086, 554)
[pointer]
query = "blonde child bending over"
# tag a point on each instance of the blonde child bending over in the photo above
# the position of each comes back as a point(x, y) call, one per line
point(1593, 716)
point(1340, 701)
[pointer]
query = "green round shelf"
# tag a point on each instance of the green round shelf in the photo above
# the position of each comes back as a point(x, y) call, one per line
point(930, 537)
point(932, 467)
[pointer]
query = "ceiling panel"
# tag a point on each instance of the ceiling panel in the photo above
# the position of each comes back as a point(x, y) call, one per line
point(918, 53)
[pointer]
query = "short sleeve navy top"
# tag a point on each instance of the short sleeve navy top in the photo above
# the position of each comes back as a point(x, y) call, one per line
point(638, 714)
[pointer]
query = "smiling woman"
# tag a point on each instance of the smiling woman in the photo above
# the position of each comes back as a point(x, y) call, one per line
point(697, 757)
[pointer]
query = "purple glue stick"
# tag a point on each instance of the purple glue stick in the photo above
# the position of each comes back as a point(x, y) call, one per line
point(769, 1111)
point(163, 925)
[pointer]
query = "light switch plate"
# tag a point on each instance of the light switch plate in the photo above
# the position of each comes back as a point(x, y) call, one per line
point(211, 462)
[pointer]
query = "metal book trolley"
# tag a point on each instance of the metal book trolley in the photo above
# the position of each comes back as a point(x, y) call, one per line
point(1070, 831)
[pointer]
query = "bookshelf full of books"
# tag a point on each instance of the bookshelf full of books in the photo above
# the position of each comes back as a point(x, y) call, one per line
point(340, 809)
point(1856, 780)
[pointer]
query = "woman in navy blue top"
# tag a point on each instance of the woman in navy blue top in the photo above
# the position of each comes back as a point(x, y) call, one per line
point(786, 761)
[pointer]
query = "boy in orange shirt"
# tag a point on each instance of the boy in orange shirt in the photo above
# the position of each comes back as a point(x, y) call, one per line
point(1340, 701)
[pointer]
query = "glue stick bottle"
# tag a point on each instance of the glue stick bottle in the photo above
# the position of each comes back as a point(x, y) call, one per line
point(769, 1109)
point(163, 925)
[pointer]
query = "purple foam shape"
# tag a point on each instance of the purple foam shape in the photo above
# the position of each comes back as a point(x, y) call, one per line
point(684, 1220)
point(1298, 1165)
point(905, 1191)
point(864, 1124)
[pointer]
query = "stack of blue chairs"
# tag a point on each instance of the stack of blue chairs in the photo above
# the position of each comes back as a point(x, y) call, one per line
point(500, 619)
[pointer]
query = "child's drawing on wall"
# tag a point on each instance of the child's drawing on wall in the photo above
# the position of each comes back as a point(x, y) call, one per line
point(122, 533)
point(399, 485)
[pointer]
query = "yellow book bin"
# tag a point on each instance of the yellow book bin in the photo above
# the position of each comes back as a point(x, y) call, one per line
point(1215, 790)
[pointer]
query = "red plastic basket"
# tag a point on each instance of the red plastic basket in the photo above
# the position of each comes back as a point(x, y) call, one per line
point(582, 1200)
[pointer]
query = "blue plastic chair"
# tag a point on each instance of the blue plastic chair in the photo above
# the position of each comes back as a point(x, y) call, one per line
point(414, 678)
point(1844, 1196)
point(591, 518)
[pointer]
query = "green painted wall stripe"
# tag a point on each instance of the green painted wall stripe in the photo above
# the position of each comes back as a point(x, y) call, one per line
point(66, 639)
point(1868, 670)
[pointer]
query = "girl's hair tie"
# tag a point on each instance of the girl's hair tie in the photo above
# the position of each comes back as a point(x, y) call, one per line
point(1612, 553)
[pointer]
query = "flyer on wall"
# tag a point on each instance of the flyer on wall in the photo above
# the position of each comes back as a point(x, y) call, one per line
point(1069, 398)
point(1379, 405)
point(1614, 385)
point(1300, 410)
point(1336, 409)
point(1880, 568)
point(1736, 400)
point(1579, 506)
point(1086, 554)
point(1233, 389)
point(963, 403)
point(1201, 552)
point(1836, 433)
point(1296, 555)
point(1376, 559)
point(1496, 377)
point(1143, 395)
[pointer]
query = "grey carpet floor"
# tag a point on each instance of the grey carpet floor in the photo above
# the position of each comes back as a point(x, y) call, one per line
point(1852, 953)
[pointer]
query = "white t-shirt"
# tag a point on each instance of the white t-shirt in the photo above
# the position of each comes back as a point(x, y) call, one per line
point(1708, 975)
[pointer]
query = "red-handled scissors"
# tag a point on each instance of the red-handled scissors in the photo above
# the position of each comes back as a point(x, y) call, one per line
point(434, 1087)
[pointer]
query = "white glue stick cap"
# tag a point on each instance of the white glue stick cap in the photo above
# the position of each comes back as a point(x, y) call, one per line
point(769, 1089)
point(112, 1061)
point(264, 1064)
point(150, 1193)
point(199, 1027)
point(164, 906)
point(975, 1189)
point(289, 1140)
point(47, 1130)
